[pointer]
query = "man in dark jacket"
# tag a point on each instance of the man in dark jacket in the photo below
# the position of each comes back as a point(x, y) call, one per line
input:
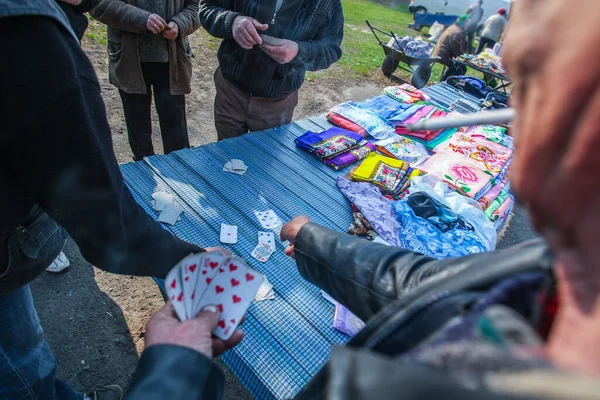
point(450, 45)
point(147, 54)
point(75, 11)
point(58, 165)
point(258, 80)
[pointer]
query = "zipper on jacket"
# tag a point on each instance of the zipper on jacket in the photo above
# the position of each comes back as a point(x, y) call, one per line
point(273, 19)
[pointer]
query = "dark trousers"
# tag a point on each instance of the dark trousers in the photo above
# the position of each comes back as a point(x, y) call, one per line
point(170, 109)
point(237, 113)
point(452, 70)
point(485, 43)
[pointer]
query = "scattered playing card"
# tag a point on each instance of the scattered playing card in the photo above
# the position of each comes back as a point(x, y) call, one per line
point(262, 252)
point(231, 291)
point(170, 214)
point(175, 291)
point(268, 219)
point(161, 200)
point(265, 291)
point(228, 234)
point(268, 238)
point(235, 166)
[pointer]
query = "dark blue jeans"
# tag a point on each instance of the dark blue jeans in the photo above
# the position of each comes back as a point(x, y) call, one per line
point(27, 365)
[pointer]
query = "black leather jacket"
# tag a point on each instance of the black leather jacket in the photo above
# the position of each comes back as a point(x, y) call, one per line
point(384, 286)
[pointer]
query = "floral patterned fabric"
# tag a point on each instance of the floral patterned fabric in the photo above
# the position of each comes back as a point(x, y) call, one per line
point(350, 156)
point(500, 216)
point(406, 93)
point(385, 172)
point(345, 123)
point(403, 149)
point(328, 143)
point(366, 119)
point(462, 173)
point(493, 133)
point(491, 155)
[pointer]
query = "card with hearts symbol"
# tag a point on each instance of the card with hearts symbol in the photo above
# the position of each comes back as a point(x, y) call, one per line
point(228, 233)
point(211, 263)
point(175, 291)
point(231, 291)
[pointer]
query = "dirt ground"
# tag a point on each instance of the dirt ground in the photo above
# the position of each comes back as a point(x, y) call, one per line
point(94, 321)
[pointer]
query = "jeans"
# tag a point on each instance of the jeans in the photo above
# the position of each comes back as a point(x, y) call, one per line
point(27, 365)
point(170, 109)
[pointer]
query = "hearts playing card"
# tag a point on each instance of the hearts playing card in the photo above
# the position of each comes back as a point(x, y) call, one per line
point(210, 265)
point(228, 234)
point(231, 291)
point(175, 291)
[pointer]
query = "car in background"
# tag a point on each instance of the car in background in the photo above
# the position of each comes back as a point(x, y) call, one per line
point(457, 7)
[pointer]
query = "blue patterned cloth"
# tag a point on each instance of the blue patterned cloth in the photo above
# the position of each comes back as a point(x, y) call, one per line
point(417, 234)
point(384, 106)
point(366, 119)
point(412, 46)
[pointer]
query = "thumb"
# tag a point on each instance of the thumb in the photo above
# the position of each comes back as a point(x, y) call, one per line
point(209, 317)
point(259, 26)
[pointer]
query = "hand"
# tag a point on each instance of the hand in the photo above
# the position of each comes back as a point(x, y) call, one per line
point(222, 250)
point(156, 24)
point(171, 34)
point(282, 54)
point(72, 2)
point(245, 31)
point(557, 134)
point(290, 231)
point(196, 334)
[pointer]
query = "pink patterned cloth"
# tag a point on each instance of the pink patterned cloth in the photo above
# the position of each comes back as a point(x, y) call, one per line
point(462, 173)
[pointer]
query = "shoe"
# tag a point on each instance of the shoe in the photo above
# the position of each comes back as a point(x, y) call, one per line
point(109, 392)
point(60, 264)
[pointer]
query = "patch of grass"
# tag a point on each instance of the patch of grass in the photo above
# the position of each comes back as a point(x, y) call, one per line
point(96, 32)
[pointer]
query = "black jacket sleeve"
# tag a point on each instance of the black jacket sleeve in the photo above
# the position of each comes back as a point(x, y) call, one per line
point(57, 150)
point(175, 372)
point(217, 17)
point(365, 277)
point(326, 48)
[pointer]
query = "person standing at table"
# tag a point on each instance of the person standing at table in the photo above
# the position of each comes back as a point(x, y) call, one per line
point(257, 81)
point(475, 13)
point(452, 44)
point(149, 53)
point(493, 28)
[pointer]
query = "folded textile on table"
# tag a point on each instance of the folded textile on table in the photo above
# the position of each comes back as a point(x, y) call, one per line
point(494, 191)
point(500, 216)
point(497, 203)
point(385, 172)
point(419, 235)
point(414, 47)
point(345, 123)
point(351, 156)
point(491, 155)
point(406, 93)
point(428, 135)
point(384, 106)
point(403, 115)
point(492, 133)
point(404, 149)
point(366, 119)
point(439, 139)
point(462, 173)
point(329, 143)
point(465, 208)
point(375, 208)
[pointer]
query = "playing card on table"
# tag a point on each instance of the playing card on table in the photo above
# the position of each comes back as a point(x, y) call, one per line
point(265, 291)
point(267, 238)
point(228, 233)
point(231, 291)
point(238, 164)
point(161, 200)
point(175, 291)
point(262, 252)
point(170, 213)
point(268, 219)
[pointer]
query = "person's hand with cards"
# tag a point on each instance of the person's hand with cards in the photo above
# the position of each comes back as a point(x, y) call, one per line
point(213, 279)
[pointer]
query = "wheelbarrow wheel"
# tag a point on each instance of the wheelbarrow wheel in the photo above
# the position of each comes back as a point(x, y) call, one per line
point(389, 65)
point(421, 76)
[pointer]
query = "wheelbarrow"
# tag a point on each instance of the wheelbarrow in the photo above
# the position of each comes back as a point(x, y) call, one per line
point(420, 68)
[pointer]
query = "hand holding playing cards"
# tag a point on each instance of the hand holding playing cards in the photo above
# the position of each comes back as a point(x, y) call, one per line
point(282, 54)
point(196, 333)
point(245, 32)
point(290, 231)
